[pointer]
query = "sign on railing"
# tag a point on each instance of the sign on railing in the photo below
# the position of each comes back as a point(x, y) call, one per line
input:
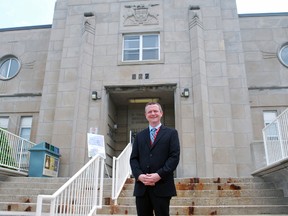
point(275, 136)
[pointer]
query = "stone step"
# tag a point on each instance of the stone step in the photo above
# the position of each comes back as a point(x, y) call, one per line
point(50, 186)
point(196, 196)
point(204, 210)
point(47, 214)
point(174, 210)
point(216, 186)
point(199, 201)
point(36, 191)
point(214, 180)
point(30, 180)
point(211, 180)
point(33, 198)
point(220, 193)
point(185, 201)
point(43, 179)
point(16, 206)
point(130, 201)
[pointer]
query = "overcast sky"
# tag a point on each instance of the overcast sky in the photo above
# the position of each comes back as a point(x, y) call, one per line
point(17, 13)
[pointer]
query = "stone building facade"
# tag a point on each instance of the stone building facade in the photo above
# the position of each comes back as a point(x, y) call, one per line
point(217, 75)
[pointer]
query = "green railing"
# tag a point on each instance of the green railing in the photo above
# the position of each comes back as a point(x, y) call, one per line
point(14, 152)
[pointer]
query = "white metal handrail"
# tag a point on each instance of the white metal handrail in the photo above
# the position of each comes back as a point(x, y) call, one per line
point(82, 194)
point(121, 171)
point(14, 151)
point(275, 136)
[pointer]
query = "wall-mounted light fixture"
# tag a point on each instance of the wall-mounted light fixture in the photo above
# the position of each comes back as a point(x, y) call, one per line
point(94, 95)
point(185, 92)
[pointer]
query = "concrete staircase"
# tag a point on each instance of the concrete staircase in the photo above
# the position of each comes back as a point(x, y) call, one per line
point(19, 194)
point(208, 196)
point(204, 196)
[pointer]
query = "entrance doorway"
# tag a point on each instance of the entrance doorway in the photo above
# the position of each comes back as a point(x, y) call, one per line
point(126, 111)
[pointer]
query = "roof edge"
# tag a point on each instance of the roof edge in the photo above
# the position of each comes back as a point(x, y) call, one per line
point(26, 28)
point(263, 14)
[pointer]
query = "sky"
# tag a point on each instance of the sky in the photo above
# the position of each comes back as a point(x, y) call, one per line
point(18, 13)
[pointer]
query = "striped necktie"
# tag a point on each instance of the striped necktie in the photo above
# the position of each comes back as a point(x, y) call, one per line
point(152, 134)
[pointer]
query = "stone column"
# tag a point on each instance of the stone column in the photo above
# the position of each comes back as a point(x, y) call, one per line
point(202, 126)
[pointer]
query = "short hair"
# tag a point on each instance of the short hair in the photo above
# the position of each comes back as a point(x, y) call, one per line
point(154, 103)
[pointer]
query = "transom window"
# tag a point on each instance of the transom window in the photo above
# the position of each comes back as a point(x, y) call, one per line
point(9, 67)
point(141, 47)
point(269, 117)
point(4, 122)
point(25, 127)
point(283, 55)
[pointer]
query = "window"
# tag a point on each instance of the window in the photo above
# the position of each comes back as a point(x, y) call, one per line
point(283, 54)
point(141, 47)
point(25, 127)
point(4, 122)
point(9, 67)
point(269, 117)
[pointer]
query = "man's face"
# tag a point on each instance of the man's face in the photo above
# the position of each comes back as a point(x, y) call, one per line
point(153, 114)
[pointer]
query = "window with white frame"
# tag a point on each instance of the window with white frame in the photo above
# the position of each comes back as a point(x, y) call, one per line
point(269, 117)
point(283, 54)
point(25, 127)
point(4, 122)
point(9, 67)
point(144, 47)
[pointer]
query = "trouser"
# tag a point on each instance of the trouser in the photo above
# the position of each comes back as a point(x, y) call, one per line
point(149, 202)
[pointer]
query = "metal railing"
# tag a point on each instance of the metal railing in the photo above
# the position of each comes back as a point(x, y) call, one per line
point(121, 171)
point(82, 194)
point(14, 151)
point(275, 137)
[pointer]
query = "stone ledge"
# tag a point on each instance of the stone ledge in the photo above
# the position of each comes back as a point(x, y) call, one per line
point(276, 173)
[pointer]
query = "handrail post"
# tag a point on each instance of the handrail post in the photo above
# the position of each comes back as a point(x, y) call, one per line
point(265, 147)
point(20, 158)
point(117, 174)
point(52, 207)
point(280, 137)
point(39, 205)
point(113, 177)
point(101, 182)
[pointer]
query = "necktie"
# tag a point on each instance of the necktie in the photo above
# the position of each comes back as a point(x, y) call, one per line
point(152, 134)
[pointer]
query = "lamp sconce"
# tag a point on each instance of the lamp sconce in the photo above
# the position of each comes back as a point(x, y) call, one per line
point(185, 93)
point(94, 95)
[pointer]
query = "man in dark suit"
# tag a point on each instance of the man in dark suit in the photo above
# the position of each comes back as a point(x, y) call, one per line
point(153, 160)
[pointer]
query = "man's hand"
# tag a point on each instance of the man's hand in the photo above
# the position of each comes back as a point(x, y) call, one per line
point(149, 179)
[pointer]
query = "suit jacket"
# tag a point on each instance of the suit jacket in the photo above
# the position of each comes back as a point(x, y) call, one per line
point(161, 158)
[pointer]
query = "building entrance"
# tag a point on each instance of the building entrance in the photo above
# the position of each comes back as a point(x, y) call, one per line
point(126, 111)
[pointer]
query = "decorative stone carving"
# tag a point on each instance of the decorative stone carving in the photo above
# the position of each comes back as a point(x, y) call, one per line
point(88, 27)
point(269, 55)
point(141, 14)
point(195, 20)
point(28, 65)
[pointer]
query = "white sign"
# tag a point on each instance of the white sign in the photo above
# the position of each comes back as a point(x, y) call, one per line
point(96, 145)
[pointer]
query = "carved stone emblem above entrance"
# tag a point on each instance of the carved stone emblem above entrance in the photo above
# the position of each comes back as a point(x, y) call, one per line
point(141, 14)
